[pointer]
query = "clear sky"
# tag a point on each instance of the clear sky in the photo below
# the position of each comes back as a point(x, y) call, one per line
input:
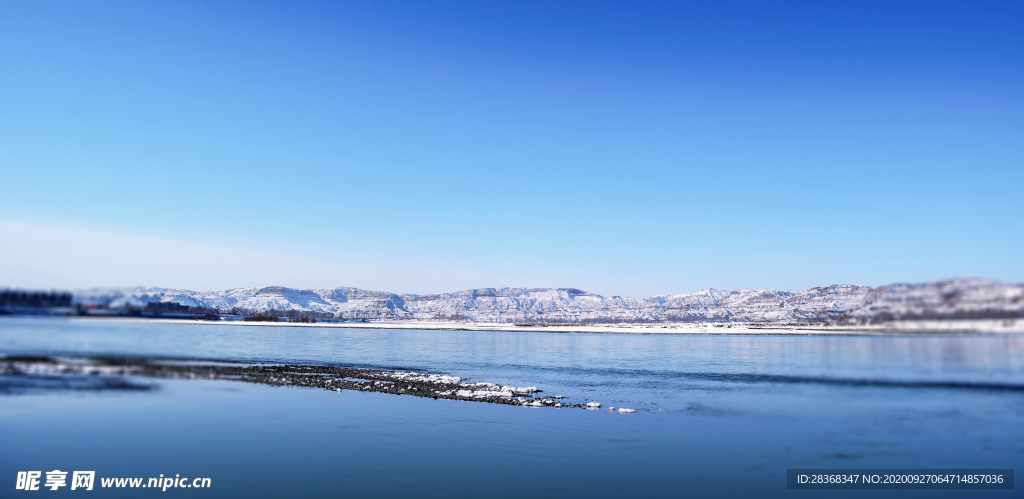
point(626, 148)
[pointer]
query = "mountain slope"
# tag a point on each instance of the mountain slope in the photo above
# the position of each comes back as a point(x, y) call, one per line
point(956, 298)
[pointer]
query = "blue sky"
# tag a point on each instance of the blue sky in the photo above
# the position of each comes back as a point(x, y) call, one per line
point(631, 148)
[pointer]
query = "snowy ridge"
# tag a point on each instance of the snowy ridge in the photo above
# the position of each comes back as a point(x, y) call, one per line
point(950, 299)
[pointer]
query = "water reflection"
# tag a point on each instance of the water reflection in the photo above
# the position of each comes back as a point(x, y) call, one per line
point(723, 407)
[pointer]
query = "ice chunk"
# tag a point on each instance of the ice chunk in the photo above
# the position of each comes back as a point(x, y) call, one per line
point(623, 410)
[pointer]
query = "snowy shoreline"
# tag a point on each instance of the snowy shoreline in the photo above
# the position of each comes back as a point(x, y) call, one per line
point(112, 373)
point(948, 327)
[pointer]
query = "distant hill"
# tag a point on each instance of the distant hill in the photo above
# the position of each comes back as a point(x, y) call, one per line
point(968, 298)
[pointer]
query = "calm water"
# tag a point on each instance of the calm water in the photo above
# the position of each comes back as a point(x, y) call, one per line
point(720, 416)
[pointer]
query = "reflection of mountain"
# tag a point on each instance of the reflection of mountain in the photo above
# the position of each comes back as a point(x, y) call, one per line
point(957, 298)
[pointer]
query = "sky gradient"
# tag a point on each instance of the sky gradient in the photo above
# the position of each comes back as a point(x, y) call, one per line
point(625, 148)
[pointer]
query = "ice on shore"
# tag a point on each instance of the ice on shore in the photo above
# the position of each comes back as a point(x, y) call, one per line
point(488, 390)
point(480, 390)
point(485, 393)
point(424, 378)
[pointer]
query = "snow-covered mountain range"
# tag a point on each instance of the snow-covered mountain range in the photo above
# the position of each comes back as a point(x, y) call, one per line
point(950, 299)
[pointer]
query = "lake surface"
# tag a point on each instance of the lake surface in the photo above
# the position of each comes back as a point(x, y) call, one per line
point(721, 416)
